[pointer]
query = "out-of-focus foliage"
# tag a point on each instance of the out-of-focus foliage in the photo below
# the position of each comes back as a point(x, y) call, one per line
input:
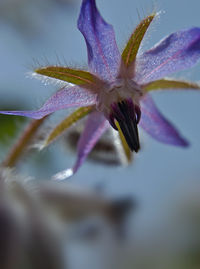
point(9, 127)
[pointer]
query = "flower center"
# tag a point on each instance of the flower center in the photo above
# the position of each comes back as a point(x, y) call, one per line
point(119, 101)
point(127, 114)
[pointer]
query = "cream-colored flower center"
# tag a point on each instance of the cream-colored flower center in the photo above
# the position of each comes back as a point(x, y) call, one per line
point(117, 91)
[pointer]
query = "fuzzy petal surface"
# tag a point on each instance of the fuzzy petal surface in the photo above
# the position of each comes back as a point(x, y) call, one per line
point(62, 99)
point(178, 51)
point(154, 123)
point(103, 53)
point(75, 76)
point(133, 45)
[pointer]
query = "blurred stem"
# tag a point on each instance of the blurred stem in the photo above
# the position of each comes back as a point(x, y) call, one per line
point(22, 143)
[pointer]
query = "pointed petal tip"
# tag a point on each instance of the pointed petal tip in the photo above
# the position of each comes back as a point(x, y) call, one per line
point(177, 142)
point(63, 174)
point(132, 47)
point(30, 114)
point(103, 54)
point(183, 143)
point(176, 52)
point(158, 127)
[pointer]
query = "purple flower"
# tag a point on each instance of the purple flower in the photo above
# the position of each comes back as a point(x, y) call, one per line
point(116, 87)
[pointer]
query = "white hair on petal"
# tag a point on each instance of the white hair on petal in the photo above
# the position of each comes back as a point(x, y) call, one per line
point(49, 81)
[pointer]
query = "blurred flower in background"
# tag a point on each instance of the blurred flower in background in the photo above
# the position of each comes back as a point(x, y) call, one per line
point(38, 220)
point(62, 225)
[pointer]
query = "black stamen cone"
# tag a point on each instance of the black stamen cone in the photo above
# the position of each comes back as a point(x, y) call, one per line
point(128, 116)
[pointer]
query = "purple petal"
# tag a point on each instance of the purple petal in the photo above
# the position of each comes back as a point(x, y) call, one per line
point(103, 54)
point(179, 51)
point(96, 125)
point(64, 98)
point(153, 122)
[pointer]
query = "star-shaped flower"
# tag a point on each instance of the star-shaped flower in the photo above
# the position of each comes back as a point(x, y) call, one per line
point(115, 90)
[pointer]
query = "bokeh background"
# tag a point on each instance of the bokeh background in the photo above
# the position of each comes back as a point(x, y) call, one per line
point(164, 180)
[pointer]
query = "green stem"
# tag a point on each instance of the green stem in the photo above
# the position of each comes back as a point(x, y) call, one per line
point(22, 143)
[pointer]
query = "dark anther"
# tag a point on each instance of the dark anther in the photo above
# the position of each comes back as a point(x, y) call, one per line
point(128, 116)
